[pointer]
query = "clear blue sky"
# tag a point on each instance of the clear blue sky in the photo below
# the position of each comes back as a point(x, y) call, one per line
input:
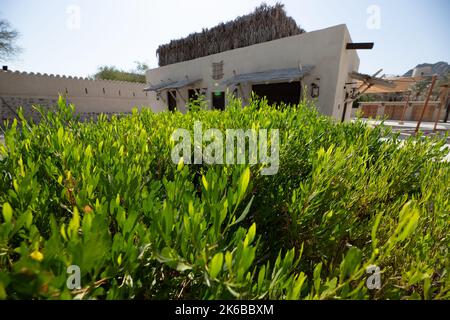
point(119, 32)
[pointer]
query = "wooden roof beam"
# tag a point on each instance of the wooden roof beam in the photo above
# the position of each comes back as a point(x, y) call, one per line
point(372, 80)
point(360, 46)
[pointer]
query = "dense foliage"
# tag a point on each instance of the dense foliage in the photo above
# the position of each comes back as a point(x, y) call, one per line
point(115, 74)
point(105, 196)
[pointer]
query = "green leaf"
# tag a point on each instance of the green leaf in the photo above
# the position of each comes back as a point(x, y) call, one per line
point(245, 179)
point(28, 219)
point(62, 230)
point(181, 267)
point(233, 292)
point(88, 151)
point(61, 101)
point(250, 235)
point(7, 212)
point(427, 289)
point(351, 262)
point(317, 276)
point(375, 229)
point(244, 213)
point(180, 165)
point(205, 183)
point(229, 261)
point(170, 257)
point(216, 265)
point(74, 223)
point(296, 289)
point(60, 135)
point(261, 277)
point(410, 219)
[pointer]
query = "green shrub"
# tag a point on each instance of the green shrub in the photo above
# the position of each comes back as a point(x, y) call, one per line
point(105, 196)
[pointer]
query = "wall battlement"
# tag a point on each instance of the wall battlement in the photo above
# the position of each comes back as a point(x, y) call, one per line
point(50, 75)
point(90, 97)
point(49, 84)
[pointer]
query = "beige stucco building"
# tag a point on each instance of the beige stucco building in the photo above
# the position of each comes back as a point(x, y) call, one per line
point(279, 70)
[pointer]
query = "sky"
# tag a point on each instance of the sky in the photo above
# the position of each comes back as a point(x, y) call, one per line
point(75, 37)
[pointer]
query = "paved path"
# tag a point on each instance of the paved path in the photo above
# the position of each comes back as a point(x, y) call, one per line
point(408, 125)
point(408, 128)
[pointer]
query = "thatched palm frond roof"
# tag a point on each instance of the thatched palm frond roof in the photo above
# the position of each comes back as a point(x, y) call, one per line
point(266, 23)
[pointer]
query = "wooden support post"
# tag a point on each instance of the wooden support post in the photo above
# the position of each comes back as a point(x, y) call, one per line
point(443, 101)
point(181, 96)
point(433, 82)
point(402, 120)
point(366, 89)
point(345, 108)
point(447, 112)
point(241, 91)
point(359, 94)
point(244, 98)
point(173, 96)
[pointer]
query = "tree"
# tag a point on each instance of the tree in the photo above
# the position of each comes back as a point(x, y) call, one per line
point(420, 88)
point(141, 67)
point(8, 37)
point(113, 73)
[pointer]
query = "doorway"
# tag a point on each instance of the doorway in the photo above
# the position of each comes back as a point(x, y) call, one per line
point(218, 100)
point(193, 94)
point(172, 100)
point(277, 93)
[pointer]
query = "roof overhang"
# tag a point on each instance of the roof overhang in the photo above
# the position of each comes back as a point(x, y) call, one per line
point(399, 85)
point(171, 85)
point(270, 76)
point(371, 80)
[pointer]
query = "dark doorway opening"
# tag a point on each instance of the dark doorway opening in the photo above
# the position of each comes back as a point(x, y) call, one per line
point(172, 100)
point(218, 100)
point(276, 93)
point(193, 94)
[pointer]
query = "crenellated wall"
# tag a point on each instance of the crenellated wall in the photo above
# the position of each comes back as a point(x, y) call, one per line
point(90, 97)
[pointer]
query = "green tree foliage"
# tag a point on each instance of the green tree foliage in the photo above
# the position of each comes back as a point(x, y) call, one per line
point(113, 73)
point(106, 197)
point(420, 88)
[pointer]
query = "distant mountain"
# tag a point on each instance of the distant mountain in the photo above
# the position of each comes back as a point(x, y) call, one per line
point(440, 68)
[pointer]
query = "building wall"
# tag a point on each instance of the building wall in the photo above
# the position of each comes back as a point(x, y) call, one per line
point(394, 110)
point(325, 49)
point(349, 62)
point(89, 97)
